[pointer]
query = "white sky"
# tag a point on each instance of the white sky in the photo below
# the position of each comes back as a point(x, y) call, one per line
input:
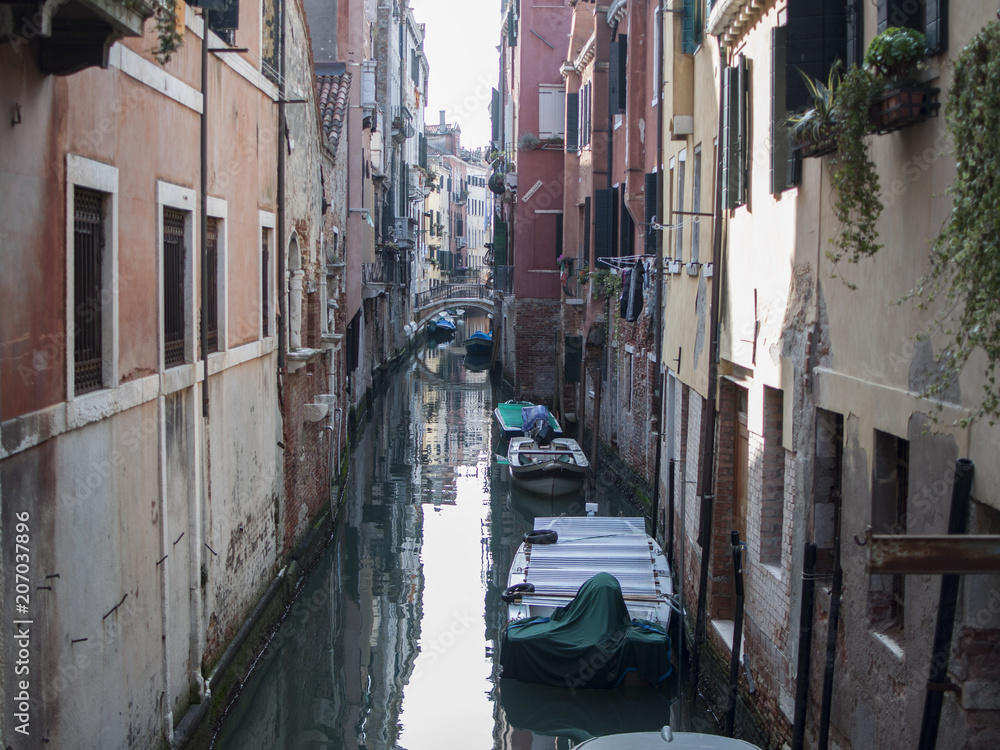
point(460, 43)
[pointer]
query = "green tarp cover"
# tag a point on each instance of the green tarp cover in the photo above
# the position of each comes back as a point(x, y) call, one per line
point(589, 643)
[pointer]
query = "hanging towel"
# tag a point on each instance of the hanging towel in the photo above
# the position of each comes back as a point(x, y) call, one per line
point(632, 287)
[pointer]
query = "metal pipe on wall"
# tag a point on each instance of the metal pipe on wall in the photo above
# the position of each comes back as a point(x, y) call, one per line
point(805, 646)
point(734, 661)
point(281, 281)
point(203, 228)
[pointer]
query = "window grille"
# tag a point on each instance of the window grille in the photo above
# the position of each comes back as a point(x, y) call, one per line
point(265, 308)
point(212, 298)
point(88, 258)
point(173, 286)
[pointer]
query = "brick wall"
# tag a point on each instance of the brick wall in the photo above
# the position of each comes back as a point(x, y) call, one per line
point(772, 480)
point(306, 450)
point(537, 322)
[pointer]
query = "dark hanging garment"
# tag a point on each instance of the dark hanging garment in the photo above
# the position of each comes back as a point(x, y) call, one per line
point(623, 300)
point(632, 292)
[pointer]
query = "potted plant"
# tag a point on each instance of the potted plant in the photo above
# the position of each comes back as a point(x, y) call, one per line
point(895, 56)
point(813, 130)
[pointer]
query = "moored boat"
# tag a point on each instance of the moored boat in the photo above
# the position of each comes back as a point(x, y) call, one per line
point(553, 468)
point(514, 421)
point(588, 605)
point(479, 343)
point(660, 740)
point(441, 326)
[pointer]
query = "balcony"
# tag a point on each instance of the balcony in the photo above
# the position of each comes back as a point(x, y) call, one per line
point(76, 34)
point(402, 124)
point(503, 282)
point(387, 270)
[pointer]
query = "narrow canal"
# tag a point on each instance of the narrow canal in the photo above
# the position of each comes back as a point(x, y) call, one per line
point(392, 642)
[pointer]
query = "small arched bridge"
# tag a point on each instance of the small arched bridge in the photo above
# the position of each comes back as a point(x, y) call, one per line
point(429, 303)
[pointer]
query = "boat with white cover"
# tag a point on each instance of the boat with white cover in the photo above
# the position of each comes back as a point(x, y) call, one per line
point(585, 546)
point(665, 739)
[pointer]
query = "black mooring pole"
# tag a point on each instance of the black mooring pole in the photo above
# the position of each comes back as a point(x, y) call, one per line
point(734, 661)
point(805, 646)
point(833, 623)
point(960, 492)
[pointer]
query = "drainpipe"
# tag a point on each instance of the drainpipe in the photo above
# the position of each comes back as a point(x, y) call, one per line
point(658, 370)
point(203, 229)
point(281, 281)
point(708, 444)
point(805, 647)
point(833, 624)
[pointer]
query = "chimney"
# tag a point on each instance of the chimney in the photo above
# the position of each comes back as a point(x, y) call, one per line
point(443, 123)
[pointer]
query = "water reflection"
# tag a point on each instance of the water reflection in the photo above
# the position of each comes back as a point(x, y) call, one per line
point(392, 641)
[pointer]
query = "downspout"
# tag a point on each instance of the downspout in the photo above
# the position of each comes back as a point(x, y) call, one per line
point(658, 370)
point(708, 445)
point(281, 281)
point(203, 229)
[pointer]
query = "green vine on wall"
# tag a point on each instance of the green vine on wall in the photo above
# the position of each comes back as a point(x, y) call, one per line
point(604, 282)
point(169, 36)
point(964, 276)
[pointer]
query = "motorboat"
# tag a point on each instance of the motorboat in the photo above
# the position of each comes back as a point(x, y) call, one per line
point(553, 467)
point(441, 326)
point(516, 417)
point(477, 362)
point(479, 343)
point(589, 602)
point(665, 739)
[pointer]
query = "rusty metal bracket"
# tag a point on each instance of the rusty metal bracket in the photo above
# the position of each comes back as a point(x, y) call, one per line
point(945, 687)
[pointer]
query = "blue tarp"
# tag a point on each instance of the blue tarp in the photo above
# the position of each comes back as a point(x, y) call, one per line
point(531, 414)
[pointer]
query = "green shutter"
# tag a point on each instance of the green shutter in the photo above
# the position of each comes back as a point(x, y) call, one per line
point(615, 54)
point(855, 32)
point(689, 40)
point(586, 228)
point(779, 134)
point(495, 116)
point(500, 243)
point(603, 223)
point(572, 122)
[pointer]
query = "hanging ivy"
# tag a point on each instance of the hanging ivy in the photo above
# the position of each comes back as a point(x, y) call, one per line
point(964, 276)
point(854, 177)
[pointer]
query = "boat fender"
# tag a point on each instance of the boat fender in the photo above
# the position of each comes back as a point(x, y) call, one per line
point(541, 536)
point(513, 593)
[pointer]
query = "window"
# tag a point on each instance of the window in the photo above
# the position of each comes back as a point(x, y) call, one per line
point(890, 489)
point(735, 118)
point(88, 282)
point(174, 260)
point(628, 380)
point(680, 217)
point(604, 204)
point(696, 206)
point(827, 486)
point(211, 311)
point(551, 111)
point(91, 276)
point(927, 16)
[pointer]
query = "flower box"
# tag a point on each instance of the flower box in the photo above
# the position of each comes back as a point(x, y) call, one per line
point(901, 107)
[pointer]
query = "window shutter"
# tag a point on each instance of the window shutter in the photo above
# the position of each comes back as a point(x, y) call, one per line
point(779, 134)
point(495, 116)
point(793, 167)
point(626, 227)
point(728, 199)
point(603, 229)
point(689, 41)
point(559, 235)
point(622, 72)
point(855, 33)
point(572, 122)
point(614, 77)
point(586, 227)
point(500, 243)
point(936, 26)
point(742, 131)
point(651, 197)
point(883, 16)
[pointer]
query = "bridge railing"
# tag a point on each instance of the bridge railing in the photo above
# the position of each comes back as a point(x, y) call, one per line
point(450, 291)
